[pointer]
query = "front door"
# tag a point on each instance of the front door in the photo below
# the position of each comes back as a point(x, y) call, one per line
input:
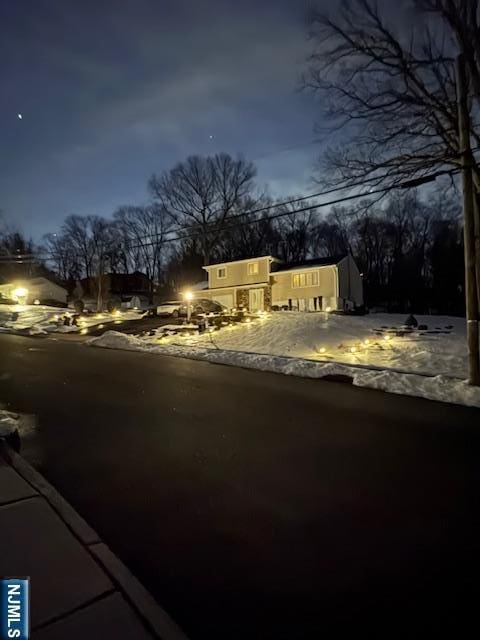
point(255, 302)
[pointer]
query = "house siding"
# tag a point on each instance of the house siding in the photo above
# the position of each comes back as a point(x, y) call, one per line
point(349, 281)
point(45, 290)
point(237, 274)
point(283, 290)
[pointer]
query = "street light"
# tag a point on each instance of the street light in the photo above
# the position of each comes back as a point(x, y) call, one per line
point(188, 296)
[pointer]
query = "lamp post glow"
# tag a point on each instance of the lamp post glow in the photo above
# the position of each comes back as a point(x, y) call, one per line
point(188, 296)
point(20, 293)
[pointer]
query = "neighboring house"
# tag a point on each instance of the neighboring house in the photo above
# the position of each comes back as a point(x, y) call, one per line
point(116, 284)
point(41, 289)
point(262, 283)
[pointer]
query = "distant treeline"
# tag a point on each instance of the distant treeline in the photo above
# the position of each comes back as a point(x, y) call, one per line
point(409, 249)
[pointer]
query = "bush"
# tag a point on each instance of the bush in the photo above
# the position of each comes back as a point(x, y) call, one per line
point(112, 305)
point(78, 305)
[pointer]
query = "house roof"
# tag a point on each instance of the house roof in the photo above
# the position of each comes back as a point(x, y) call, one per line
point(314, 262)
point(252, 259)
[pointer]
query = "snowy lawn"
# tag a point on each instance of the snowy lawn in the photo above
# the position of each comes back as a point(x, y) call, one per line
point(317, 345)
point(40, 319)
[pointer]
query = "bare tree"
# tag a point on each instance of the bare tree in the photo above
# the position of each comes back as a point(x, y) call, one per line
point(400, 99)
point(76, 231)
point(295, 230)
point(59, 253)
point(394, 96)
point(144, 231)
point(201, 193)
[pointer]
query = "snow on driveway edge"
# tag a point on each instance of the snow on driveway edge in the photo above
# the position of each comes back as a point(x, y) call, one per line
point(439, 388)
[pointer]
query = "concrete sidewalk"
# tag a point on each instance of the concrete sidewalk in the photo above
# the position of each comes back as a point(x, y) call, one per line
point(78, 588)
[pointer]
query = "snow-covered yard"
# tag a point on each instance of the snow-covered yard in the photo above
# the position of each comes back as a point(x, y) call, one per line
point(40, 319)
point(364, 348)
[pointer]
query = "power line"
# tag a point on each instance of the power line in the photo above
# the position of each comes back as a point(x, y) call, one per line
point(196, 234)
point(276, 205)
point(321, 205)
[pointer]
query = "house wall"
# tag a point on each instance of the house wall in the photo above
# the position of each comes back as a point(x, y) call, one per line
point(283, 289)
point(43, 290)
point(46, 291)
point(350, 284)
point(237, 273)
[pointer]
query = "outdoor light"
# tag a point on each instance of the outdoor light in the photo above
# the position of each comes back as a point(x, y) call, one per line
point(328, 309)
point(353, 349)
point(20, 292)
point(36, 301)
point(188, 295)
point(366, 342)
point(322, 350)
point(387, 337)
point(84, 331)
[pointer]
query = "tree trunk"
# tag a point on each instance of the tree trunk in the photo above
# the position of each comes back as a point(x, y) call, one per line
point(476, 216)
point(471, 298)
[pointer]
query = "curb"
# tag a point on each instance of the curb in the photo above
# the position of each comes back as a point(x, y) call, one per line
point(143, 603)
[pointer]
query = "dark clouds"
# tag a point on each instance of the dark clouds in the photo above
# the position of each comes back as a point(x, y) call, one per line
point(113, 91)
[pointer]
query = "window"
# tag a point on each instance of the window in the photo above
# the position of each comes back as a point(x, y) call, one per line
point(221, 272)
point(252, 268)
point(308, 279)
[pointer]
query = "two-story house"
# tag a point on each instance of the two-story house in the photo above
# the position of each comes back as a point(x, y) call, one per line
point(261, 283)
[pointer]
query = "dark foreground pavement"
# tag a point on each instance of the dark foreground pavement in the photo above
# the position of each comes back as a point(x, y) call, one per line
point(255, 505)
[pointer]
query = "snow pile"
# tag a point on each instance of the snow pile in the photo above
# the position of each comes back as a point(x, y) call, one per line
point(439, 387)
point(8, 423)
point(41, 319)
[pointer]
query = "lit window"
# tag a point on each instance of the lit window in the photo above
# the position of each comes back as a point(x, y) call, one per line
point(309, 279)
point(222, 272)
point(252, 268)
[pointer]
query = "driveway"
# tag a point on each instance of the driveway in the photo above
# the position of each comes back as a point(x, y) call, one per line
point(255, 505)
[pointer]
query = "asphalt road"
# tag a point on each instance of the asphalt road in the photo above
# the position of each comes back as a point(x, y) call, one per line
point(255, 505)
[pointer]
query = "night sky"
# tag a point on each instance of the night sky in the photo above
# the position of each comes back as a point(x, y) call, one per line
point(112, 91)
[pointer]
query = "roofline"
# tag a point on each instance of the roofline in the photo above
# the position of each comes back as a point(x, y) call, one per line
point(222, 264)
point(308, 268)
point(237, 286)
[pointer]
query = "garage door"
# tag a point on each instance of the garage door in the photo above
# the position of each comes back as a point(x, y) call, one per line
point(226, 299)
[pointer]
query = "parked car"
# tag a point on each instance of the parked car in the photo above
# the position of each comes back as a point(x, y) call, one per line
point(203, 305)
point(174, 308)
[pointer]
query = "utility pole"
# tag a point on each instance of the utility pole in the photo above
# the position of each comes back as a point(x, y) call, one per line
point(471, 298)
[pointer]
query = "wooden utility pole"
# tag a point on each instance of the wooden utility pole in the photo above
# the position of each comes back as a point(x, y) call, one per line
point(471, 298)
